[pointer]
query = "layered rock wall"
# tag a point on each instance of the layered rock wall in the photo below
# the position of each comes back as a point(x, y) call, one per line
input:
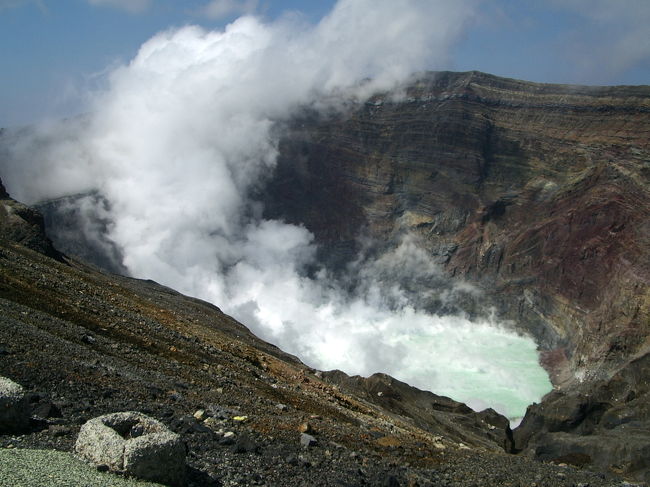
point(538, 193)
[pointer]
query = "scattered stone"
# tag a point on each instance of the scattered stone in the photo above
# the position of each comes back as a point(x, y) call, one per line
point(306, 427)
point(133, 444)
point(439, 445)
point(184, 424)
point(58, 430)
point(281, 407)
point(46, 409)
point(389, 441)
point(392, 481)
point(240, 418)
point(108, 393)
point(307, 441)
point(227, 440)
point(245, 444)
point(14, 407)
point(200, 415)
point(304, 461)
point(220, 412)
point(212, 423)
point(175, 396)
point(200, 428)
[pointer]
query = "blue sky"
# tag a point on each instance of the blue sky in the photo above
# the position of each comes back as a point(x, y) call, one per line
point(54, 51)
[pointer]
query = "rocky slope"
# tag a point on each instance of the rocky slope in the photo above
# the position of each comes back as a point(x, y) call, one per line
point(538, 194)
point(86, 343)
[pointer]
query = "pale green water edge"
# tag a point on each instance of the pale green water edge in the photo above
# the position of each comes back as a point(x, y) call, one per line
point(50, 468)
point(483, 366)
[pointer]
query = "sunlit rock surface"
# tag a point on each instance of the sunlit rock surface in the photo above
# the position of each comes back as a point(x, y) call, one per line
point(537, 193)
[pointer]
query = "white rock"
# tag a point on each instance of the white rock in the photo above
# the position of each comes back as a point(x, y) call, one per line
point(134, 444)
point(307, 441)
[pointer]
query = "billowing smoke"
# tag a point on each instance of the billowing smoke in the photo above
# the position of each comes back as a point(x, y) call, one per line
point(184, 135)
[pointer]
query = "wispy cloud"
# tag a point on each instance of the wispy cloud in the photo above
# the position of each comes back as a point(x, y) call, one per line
point(219, 9)
point(9, 4)
point(611, 38)
point(131, 6)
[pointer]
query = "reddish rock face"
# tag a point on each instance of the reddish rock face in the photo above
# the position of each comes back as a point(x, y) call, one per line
point(3, 191)
point(538, 193)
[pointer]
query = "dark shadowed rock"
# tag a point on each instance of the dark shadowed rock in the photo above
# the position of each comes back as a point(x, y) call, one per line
point(45, 409)
point(245, 444)
point(605, 424)
point(78, 225)
point(3, 191)
point(14, 407)
point(24, 225)
point(438, 414)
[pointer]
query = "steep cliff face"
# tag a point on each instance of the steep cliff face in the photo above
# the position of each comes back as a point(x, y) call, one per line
point(537, 193)
point(540, 195)
point(24, 225)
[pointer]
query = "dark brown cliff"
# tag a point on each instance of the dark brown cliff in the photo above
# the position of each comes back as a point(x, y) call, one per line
point(538, 193)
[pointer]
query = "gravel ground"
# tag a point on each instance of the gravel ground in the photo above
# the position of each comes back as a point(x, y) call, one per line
point(51, 468)
point(84, 344)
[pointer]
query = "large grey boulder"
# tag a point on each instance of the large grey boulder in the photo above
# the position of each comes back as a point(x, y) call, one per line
point(133, 444)
point(14, 407)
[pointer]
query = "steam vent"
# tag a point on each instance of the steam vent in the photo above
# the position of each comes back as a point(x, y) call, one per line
point(440, 284)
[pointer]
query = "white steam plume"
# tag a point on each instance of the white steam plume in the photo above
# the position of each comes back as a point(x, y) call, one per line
point(183, 136)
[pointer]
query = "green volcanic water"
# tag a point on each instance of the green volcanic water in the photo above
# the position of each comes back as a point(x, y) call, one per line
point(480, 364)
